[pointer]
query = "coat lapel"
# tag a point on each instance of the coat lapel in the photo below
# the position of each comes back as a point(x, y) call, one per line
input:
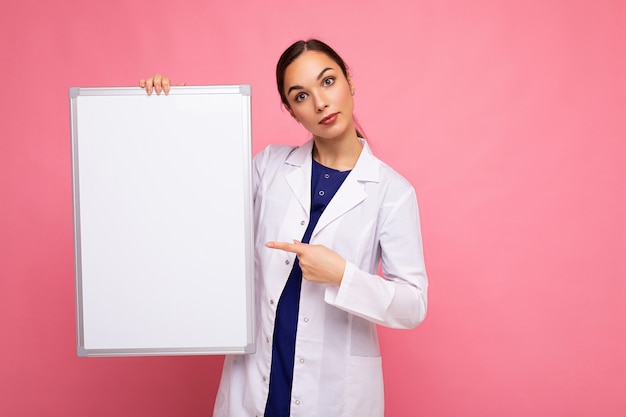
point(349, 195)
point(299, 179)
point(352, 191)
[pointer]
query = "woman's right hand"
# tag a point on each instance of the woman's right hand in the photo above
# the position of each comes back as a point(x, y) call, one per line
point(156, 83)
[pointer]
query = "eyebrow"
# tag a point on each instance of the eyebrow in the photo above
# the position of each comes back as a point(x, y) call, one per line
point(298, 87)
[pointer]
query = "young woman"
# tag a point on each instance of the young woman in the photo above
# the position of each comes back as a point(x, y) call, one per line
point(326, 214)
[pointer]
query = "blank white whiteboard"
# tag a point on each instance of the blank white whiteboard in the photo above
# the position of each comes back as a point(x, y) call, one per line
point(163, 221)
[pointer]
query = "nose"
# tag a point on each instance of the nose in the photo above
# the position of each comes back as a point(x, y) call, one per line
point(320, 102)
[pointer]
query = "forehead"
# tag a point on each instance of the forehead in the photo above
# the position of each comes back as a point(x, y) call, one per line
point(307, 67)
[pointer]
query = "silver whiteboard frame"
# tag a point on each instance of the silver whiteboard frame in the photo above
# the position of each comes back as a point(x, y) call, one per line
point(248, 257)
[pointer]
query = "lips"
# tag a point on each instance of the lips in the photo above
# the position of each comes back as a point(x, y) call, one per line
point(329, 119)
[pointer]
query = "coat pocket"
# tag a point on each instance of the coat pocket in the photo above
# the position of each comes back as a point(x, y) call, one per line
point(364, 391)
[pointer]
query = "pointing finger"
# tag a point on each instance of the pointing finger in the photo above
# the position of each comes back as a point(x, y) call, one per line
point(287, 247)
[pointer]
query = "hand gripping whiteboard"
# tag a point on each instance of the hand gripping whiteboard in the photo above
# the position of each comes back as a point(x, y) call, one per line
point(163, 221)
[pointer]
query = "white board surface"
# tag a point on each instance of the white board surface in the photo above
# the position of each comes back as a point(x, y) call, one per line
point(162, 221)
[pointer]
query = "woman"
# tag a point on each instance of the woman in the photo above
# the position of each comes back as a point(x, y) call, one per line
point(326, 214)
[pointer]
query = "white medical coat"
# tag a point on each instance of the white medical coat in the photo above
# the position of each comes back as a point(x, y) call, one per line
point(372, 218)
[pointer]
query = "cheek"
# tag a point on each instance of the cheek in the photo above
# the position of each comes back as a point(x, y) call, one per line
point(304, 113)
point(293, 113)
point(345, 97)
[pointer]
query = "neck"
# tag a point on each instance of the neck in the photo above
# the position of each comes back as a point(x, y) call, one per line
point(339, 154)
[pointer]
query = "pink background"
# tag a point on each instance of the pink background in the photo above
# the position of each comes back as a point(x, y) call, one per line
point(507, 116)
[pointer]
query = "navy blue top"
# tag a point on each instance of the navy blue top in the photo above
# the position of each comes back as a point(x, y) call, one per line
point(324, 184)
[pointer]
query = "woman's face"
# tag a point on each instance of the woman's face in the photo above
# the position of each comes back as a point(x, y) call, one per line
point(320, 96)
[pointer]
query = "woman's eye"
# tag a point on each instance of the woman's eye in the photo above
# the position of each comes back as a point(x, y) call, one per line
point(300, 97)
point(329, 81)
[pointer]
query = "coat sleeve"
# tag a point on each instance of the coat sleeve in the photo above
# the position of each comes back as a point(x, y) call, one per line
point(399, 299)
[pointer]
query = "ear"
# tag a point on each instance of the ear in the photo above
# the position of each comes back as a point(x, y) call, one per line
point(351, 84)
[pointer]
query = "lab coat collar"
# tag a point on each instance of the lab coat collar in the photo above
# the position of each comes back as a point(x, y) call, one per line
point(366, 168)
point(352, 191)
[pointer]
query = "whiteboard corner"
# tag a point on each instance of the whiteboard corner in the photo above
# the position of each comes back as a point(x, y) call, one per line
point(245, 89)
point(74, 92)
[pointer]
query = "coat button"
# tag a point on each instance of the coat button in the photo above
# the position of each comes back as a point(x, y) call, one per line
point(272, 302)
point(286, 261)
point(297, 402)
point(306, 319)
point(302, 223)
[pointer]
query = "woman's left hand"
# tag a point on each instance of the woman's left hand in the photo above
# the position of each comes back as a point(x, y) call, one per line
point(318, 263)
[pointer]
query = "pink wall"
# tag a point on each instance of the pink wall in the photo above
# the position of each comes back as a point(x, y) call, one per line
point(509, 119)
